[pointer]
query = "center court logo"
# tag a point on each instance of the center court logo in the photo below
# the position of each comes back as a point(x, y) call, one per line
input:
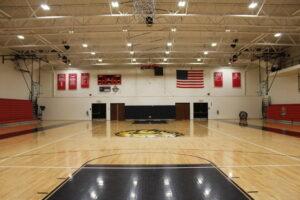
point(149, 133)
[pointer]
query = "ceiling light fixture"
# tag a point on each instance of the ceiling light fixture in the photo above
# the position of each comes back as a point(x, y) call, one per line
point(214, 44)
point(277, 35)
point(21, 37)
point(84, 45)
point(45, 7)
point(169, 44)
point(93, 53)
point(133, 60)
point(199, 59)
point(124, 30)
point(100, 59)
point(253, 5)
point(115, 4)
point(165, 59)
point(173, 29)
point(167, 52)
point(181, 3)
point(131, 52)
point(227, 30)
point(205, 52)
point(129, 44)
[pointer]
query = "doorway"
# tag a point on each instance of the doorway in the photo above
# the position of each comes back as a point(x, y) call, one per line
point(182, 111)
point(117, 111)
point(98, 111)
point(200, 110)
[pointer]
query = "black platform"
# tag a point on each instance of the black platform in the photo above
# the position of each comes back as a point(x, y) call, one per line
point(159, 182)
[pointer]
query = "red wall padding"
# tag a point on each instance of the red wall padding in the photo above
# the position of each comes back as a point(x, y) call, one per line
point(288, 112)
point(14, 110)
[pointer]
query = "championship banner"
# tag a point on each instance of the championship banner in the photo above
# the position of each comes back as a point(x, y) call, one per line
point(61, 81)
point(236, 79)
point(218, 79)
point(85, 80)
point(109, 79)
point(72, 81)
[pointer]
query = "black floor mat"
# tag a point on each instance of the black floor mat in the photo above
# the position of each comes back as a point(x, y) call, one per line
point(150, 122)
point(160, 182)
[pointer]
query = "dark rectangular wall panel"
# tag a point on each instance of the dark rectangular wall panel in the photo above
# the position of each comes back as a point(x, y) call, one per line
point(150, 112)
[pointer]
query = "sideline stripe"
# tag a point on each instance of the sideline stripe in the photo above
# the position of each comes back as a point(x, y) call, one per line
point(42, 146)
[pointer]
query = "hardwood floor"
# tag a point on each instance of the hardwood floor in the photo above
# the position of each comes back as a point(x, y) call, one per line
point(265, 164)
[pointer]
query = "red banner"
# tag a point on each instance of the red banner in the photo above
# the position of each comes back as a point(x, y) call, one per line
point(109, 79)
point(72, 81)
point(236, 79)
point(85, 80)
point(218, 79)
point(61, 81)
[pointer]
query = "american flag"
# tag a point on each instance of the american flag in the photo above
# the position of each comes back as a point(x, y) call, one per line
point(190, 79)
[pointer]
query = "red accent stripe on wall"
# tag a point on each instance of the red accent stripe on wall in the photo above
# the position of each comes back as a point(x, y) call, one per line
point(288, 112)
point(15, 110)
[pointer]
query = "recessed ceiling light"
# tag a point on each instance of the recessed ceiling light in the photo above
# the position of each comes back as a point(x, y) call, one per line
point(21, 37)
point(227, 30)
point(165, 59)
point(173, 29)
point(169, 44)
point(181, 3)
point(100, 59)
point(167, 52)
point(205, 52)
point(93, 53)
point(199, 59)
point(133, 59)
point(45, 7)
point(85, 45)
point(253, 5)
point(129, 44)
point(124, 30)
point(277, 34)
point(131, 52)
point(115, 4)
point(214, 44)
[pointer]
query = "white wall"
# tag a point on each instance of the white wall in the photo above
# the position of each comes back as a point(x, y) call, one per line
point(12, 84)
point(141, 87)
point(285, 90)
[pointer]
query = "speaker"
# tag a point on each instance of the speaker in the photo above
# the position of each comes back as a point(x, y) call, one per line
point(158, 71)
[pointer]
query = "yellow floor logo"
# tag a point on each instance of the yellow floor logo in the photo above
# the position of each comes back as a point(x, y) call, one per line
point(148, 133)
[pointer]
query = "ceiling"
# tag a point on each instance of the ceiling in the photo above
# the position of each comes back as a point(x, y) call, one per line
point(107, 31)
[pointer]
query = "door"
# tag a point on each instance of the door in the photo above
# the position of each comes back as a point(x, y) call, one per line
point(99, 111)
point(182, 111)
point(200, 110)
point(117, 111)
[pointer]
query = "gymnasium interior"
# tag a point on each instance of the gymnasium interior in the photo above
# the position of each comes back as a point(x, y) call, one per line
point(149, 99)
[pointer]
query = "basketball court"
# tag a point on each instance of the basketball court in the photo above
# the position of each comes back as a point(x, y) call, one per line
point(150, 100)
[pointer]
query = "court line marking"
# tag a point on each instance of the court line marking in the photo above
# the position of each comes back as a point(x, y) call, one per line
point(44, 145)
point(148, 167)
point(246, 141)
